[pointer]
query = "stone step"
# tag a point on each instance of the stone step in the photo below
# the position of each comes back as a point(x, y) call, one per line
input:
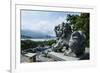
point(61, 57)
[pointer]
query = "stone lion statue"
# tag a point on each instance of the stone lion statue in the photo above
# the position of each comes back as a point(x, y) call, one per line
point(63, 33)
point(77, 43)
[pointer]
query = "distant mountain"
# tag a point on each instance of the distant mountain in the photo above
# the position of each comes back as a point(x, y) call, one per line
point(34, 34)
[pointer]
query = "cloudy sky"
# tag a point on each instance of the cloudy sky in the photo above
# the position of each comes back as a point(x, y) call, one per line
point(43, 21)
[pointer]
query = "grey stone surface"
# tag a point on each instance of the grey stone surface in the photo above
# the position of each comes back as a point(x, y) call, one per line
point(63, 33)
point(77, 43)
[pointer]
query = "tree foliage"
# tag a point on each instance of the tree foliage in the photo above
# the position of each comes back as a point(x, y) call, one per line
point(80, 22)
point(26, 44)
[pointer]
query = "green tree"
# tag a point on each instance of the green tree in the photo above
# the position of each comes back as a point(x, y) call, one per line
point(80, 22)
point(26, 44)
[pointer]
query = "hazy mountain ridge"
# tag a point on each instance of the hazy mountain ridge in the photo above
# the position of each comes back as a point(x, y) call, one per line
point(34, 34)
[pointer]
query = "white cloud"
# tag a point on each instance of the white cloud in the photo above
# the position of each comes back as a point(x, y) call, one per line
point(45, 26)
point(42, 21)
point(48, 26)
